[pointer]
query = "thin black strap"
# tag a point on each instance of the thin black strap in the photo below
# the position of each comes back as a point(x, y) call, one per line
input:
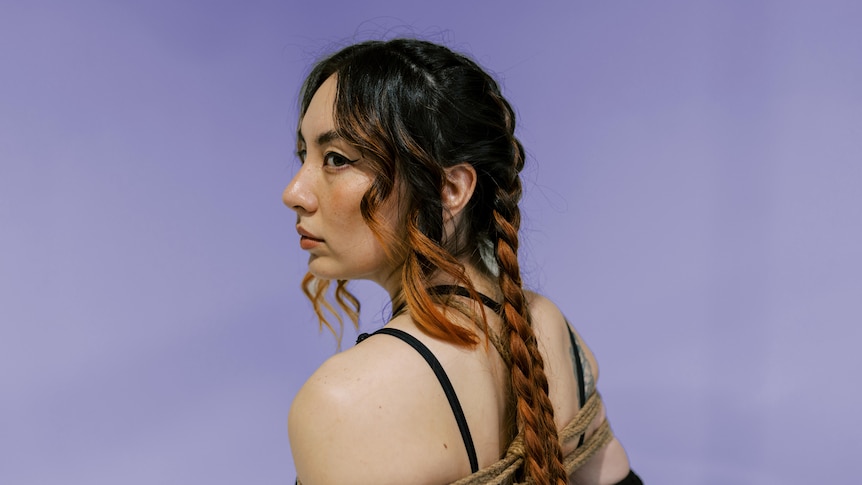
point(579, 366)
point(453, 290)
point(444, 382)
point(461, 291)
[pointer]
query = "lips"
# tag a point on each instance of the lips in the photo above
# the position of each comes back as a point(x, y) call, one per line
point(305, 234)
point(307, 240)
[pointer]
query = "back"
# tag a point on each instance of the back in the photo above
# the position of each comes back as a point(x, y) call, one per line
point(383, 395)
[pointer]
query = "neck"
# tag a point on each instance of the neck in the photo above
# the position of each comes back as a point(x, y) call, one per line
point(481, 281)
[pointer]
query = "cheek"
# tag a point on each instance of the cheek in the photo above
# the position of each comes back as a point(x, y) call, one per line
point(343, 205)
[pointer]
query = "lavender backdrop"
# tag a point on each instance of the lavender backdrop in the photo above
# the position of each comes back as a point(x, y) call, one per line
point(693, 204)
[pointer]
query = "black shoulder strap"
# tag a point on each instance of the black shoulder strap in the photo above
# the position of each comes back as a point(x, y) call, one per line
point(579, 366)
point(461, 291)
point(444, 382)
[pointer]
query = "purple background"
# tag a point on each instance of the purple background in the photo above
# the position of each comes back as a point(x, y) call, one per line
point(693, 200)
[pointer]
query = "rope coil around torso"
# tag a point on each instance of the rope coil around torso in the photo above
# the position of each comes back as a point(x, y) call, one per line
point(508, 469)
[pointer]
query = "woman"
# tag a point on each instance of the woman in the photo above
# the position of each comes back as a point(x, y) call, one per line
point(410, 178)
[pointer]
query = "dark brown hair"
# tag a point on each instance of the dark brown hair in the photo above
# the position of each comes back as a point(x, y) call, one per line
point(414, 108)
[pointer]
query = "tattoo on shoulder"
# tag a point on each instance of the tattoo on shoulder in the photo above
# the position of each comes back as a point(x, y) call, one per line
point(589, 379)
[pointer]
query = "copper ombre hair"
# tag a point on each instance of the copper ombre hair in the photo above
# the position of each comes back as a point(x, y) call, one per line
point(414, 108)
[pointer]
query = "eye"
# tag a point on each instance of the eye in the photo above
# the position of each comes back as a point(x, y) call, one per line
point(336, 160)
point(301, 154)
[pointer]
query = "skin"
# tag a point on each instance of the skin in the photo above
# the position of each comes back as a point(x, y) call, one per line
point(326, 193)
point(375, 414)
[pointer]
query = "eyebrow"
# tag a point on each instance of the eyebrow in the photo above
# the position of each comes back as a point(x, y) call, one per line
point(323, 138)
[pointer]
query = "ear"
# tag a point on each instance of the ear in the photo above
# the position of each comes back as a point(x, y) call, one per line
point(458, 188)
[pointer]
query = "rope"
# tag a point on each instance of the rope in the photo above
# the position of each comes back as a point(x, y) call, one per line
point(504, 471)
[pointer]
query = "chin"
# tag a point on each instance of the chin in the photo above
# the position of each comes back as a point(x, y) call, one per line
point(323, 273)
point(325, 270)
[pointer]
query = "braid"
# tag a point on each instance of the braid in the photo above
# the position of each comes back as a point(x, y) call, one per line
point(535, 413)
point(529, 383)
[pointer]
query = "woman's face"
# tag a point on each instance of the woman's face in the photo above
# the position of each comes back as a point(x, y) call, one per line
point(326, 194)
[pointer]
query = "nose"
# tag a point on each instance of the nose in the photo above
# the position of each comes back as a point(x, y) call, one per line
point(298, 195)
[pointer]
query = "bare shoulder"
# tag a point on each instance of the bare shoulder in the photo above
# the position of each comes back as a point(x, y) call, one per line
point(546, 314)
point(549, 319)
point(549, 323)
point(552, 329)
point(366, 416)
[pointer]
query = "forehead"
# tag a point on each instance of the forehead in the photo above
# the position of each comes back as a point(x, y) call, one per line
point(318, 117)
